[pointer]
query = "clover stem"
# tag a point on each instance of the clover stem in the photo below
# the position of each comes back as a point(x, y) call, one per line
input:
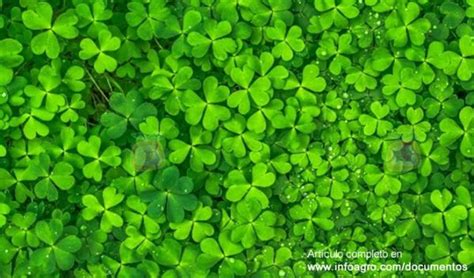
point(158, 43)
point(108, 83)
point(114, 82)
point(95, 83)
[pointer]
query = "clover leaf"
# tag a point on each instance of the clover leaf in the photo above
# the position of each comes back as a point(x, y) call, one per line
point(452, 131)
point(172, 195)
point(417, 129)
point(9, 58)
point(40, 18)
point(376, 125)
point(199, 155)
point(107, 43)
point(252, 223)
point(222, 250)
point(58, 249)
point(127, 109)
point(216, 40)
point(449, 218)
point(91, 149)
point(403, 26)
point(288, 42)
point(210, 112)
point(241, 189)
point(332, 12)
point(94, 207)
point(197, 227)
point(148, 22)
point(258, 90)
point(312, 213)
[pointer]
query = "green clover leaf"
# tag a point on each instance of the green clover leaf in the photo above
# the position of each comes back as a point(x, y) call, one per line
point(403, 26)
point(9, 58)
point(172, 196)
point(107, 43)
point(91, 149)
point(452, 132)
point(93, 208)
point(287, 42)
point(40, 18)
point(59, 250)
point(209, 111)
point(128, 108)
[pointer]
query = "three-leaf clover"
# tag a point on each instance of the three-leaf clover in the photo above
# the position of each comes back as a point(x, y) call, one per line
point(286, 42)
point(403, 25)
point(172, 195)
point(127, 109)
point(91, 148)
point(241, 189)
point(9, 59)
point(209, 111)
point(58, 250)
point(40, 18)
point(376, 125)
point(451, 218)
point(452, 132)
point(107, 43)
point(105, 207)
point(216, 40)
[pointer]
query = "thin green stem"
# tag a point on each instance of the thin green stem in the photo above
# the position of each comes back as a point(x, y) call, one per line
point(95, 84)
point(158, 43)
point(114, 82)
point(110, 85)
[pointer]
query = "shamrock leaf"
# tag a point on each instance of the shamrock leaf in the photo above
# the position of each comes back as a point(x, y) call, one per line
point(93, 17)
point(465, 256)
point(197, 226)
point(466, 60)
point(148, 22)
point(58, 251)
point(9, 58)
point(107, 43)
point(312, 213)
point(58, 176)
point(384, 183)
point(240, 189)
point(222, 250)
point(449, 218)
point(216, 40)
point(404, 82)
point(417, 129)
point(439, 251)
point(93, 208)
point(199, 155)
point(336, 47)
point(332, 14)
point(172, 195)
point(22, 231)
point(452, 131)
point(440, 155)
point(258, 90)
point(287, 42)
point(127, 109)
point(91, 148)
point(40, 18)
point(376, 125)
point(209, 111)
point(402, 25)
point(252, 223)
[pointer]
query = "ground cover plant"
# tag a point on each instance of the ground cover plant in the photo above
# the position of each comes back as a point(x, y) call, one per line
point(223, 138)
